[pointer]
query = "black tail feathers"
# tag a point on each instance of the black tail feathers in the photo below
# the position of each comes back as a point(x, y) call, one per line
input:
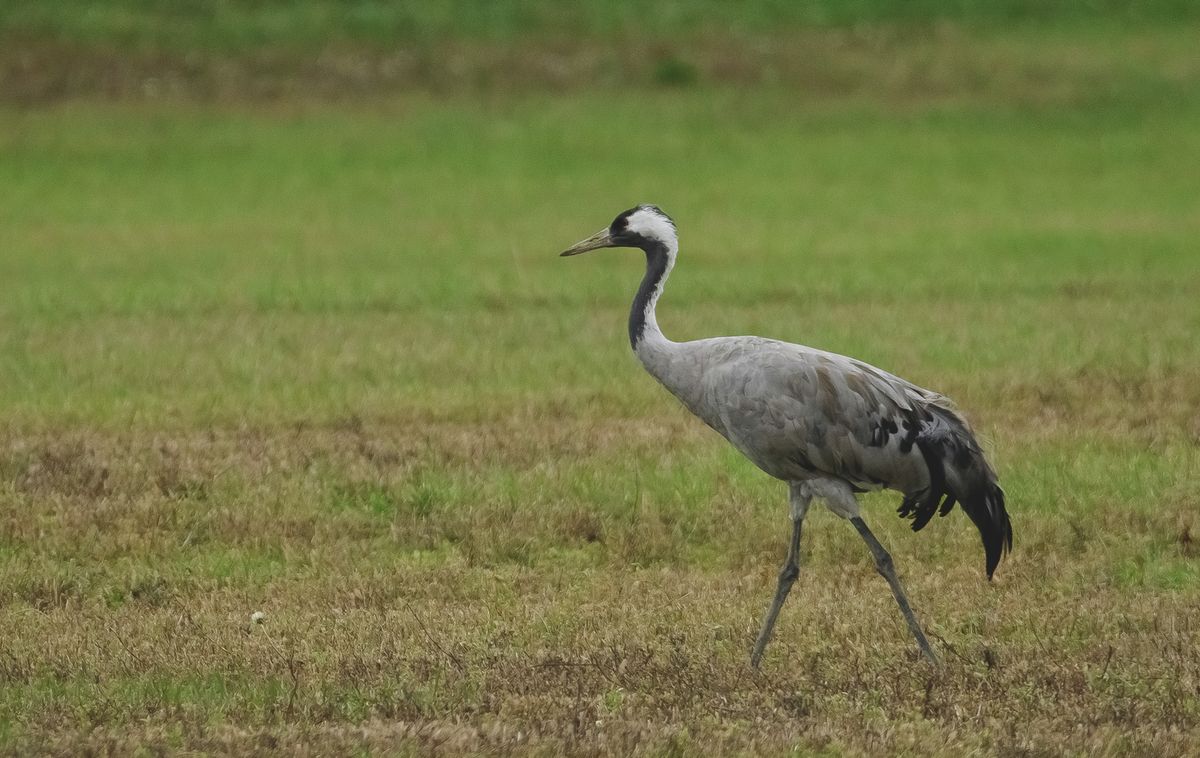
point(958, 473)
point(991, 519)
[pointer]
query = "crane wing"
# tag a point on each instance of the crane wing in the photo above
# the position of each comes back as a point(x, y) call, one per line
point(828, 415)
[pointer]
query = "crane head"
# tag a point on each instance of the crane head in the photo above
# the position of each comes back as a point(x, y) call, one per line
point(645, 226)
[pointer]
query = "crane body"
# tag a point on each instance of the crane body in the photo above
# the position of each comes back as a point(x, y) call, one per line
point(828, 425)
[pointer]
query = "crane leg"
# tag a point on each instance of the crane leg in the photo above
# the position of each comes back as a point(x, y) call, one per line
point(787, 575)
point(883, 563)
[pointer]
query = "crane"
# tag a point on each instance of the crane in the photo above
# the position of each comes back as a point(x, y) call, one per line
point(828, 425)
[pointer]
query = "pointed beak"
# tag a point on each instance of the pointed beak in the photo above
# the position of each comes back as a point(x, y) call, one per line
point(595, 242)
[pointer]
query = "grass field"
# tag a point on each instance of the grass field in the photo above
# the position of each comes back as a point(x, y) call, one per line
point(320, 360)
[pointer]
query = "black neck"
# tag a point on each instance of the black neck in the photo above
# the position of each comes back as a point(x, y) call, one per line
point(656, 270)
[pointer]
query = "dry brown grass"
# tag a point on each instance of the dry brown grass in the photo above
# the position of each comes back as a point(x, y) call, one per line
point(412, 615)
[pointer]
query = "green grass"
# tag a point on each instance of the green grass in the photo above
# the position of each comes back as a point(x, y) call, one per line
point(399, 261)
point(60, 50)
point(322, 361)
point(210, 24)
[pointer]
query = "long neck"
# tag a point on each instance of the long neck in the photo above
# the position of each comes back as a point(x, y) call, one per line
point(643, 326)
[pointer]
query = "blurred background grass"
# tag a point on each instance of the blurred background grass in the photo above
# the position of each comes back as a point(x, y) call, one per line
point(243, 50)
point(229, 25)
point(282, 326)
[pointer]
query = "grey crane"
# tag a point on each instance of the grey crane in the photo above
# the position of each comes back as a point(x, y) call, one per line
point(827, 425)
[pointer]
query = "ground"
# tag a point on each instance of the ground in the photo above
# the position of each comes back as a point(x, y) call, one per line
point(318, 359)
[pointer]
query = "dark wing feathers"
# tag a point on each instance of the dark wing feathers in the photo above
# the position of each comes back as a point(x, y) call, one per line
point(958, 473)
point(888, 418)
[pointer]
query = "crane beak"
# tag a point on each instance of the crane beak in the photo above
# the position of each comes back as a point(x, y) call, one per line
point(598, 240)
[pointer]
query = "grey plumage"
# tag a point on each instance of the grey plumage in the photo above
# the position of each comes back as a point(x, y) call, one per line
point(828, 425)
point(801, 414)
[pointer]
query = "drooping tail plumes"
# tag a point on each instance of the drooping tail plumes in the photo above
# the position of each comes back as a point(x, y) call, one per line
point(991, 519)
point(958, 473)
